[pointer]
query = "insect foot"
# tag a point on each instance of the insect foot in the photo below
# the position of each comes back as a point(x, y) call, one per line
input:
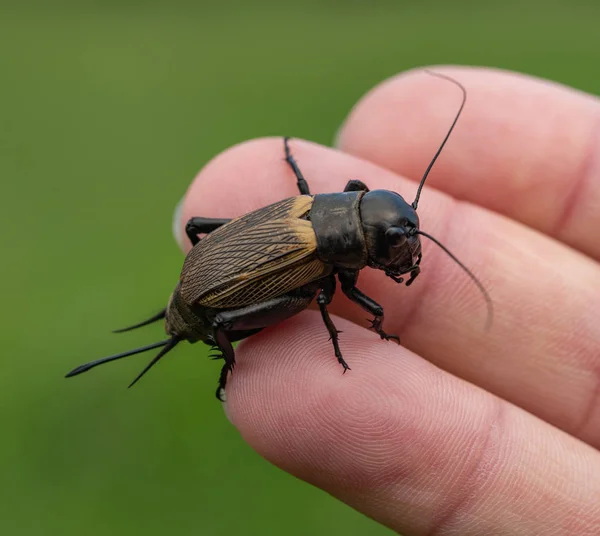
point(376, 326)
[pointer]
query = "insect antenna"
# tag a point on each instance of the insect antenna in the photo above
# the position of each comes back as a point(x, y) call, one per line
point(486, 296)
point(435, 157)
point(167, 344)
point(158, 316)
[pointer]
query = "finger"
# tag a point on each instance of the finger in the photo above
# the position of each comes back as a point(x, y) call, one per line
point(523, 147)
point(542, 353)
point(404, 442)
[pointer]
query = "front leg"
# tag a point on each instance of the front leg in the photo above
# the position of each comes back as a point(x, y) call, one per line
point(348, 280)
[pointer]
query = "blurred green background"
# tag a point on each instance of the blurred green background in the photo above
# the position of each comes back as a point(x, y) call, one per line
point(107, 111)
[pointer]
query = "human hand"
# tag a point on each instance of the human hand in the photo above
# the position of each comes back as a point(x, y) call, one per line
point(458, 431)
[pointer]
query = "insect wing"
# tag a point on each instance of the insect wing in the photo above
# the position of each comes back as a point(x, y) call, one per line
point(260, 255)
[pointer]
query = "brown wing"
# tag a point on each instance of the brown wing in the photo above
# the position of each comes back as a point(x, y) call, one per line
point(260, 255)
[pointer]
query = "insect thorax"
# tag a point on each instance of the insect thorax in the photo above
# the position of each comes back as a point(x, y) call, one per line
point(338, 228)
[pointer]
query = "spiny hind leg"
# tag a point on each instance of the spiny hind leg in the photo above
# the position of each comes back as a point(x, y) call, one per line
point(250, 319)
point(228, 355)
point(263, 314)
point(301, 181)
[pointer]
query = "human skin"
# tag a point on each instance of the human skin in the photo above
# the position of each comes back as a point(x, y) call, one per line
point(459, 430)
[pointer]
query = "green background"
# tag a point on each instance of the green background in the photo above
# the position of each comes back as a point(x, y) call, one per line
point(107, 111)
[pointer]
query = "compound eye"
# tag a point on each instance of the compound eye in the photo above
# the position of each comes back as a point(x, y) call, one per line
point(396, 236)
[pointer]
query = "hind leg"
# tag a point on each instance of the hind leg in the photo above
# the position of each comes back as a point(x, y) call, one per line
point(228, 354)
point(253, 317)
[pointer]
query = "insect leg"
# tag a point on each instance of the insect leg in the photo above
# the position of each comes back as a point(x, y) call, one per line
point(228, 324)
point(302, 184)
point(323, 300)
point(235, 336)
point(229, 355)
point(196, 226)
point(348, 280)
point(356, 186)
point(263, 314)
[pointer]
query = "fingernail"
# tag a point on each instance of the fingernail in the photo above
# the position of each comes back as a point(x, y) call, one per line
point(225, 410)
point(337, 138)
point(176, 226)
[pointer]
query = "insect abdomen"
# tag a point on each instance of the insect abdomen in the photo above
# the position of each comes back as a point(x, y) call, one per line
point(182, 321)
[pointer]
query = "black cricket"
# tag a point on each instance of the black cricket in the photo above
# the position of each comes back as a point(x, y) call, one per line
point(257, 270)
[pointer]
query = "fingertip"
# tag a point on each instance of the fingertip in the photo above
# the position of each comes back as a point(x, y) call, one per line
point(177, 224)
point(523, 146)
point(292, 365)
point(398, 431)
